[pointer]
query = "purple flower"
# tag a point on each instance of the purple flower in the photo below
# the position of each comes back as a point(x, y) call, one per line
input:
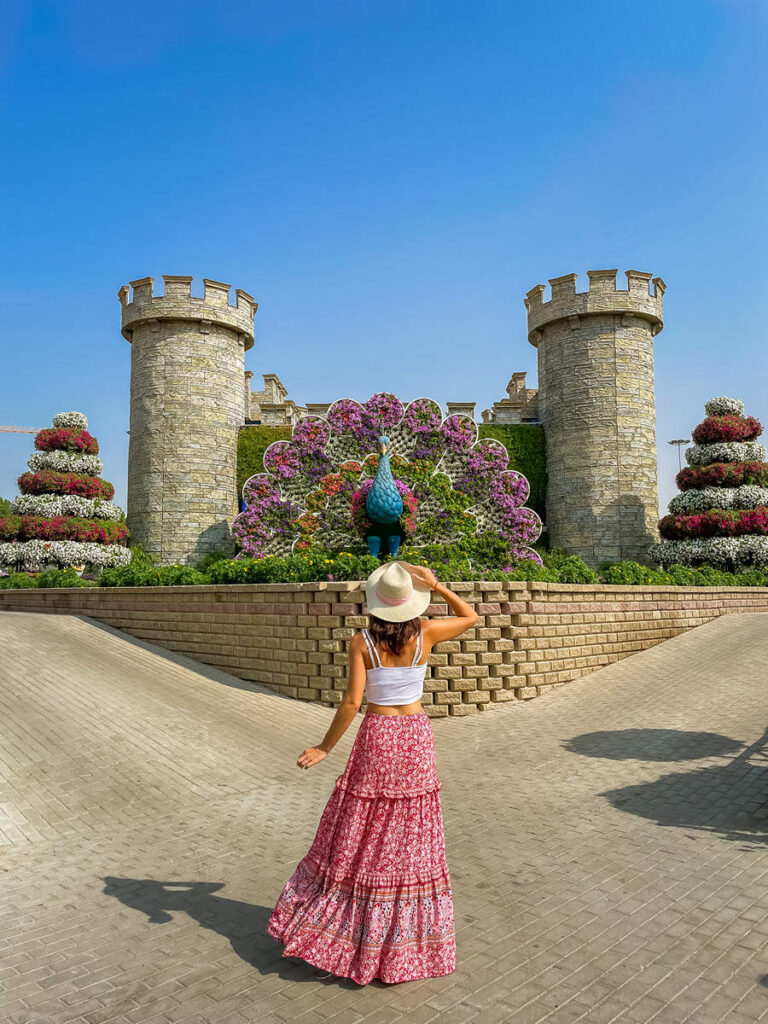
point(384, 410)
point(458, 433)
point(423, 416)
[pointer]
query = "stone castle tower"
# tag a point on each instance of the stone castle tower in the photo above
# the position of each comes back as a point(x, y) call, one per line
point(596, 401)
point(188, 399)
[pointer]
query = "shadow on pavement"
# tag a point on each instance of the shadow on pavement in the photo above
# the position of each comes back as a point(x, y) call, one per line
point(729, 799)
point(242, 924)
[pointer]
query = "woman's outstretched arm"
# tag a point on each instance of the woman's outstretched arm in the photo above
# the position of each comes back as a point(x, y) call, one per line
point(346, 711)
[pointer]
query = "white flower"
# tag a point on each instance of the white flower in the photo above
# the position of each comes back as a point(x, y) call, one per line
point(70, 419)
point(37, 555)
point(746, 496)
point(65, 462)
point(725, 451)
point(50, 505)
point(724, 407)
point(729, 553)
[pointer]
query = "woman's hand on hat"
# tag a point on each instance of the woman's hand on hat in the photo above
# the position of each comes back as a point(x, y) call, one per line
point(421, 574)
point(311, 756)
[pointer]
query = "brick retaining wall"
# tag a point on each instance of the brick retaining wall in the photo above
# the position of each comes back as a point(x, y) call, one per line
point(531, 637)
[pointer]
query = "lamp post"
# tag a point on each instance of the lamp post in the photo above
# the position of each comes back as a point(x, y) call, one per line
point(679, 442)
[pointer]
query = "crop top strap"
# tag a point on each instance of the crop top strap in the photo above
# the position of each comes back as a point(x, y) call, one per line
point(374, 654)
point(419, 649)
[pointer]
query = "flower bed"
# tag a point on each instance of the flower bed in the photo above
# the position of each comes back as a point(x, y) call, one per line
point(51, 482)
point(63, 516)
point(715, 523)
point(66, 439)
point(65, 505)
point(727, 428)
point(103, 531)
point(723, 474)
point(721, 516)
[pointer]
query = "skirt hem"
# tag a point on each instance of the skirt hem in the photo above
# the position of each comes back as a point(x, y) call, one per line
point(316, 959)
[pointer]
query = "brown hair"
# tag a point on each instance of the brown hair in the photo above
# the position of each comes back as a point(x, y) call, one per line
point(393, 635)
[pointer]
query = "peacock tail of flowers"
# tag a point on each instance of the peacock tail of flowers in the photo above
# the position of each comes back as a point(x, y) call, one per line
point(454, 486)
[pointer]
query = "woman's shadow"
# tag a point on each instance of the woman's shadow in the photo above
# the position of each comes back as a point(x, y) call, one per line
point(243, 924)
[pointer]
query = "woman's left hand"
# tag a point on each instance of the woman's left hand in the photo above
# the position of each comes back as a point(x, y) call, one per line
point(311, 756)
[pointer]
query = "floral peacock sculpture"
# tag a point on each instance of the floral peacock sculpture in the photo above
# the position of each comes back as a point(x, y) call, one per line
point(337, 482)
point(384, 505)
point(720, 518)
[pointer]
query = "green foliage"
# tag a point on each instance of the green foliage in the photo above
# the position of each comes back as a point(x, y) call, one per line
point(49, 578)
point(141, 557)
point(310, 566)
point(18, 581)
point(575, 570)
point(527, 454)
point(211, 559)
point(252, 442)
point(63, 578)
point(141, 574)
point(5, 507)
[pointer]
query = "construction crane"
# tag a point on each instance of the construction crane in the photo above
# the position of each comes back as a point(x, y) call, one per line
point(18, 430)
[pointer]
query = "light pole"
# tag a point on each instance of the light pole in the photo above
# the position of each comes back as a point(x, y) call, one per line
point(679, 442)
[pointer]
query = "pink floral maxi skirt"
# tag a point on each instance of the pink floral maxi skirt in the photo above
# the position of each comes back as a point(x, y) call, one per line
point(372, 897)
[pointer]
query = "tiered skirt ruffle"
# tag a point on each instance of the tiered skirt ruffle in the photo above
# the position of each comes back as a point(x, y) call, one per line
point(372, 897)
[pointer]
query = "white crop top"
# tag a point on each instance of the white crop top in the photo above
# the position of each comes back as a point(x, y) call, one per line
point(394, 684)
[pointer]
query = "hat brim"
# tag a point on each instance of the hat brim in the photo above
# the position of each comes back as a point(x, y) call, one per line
point(416, 604)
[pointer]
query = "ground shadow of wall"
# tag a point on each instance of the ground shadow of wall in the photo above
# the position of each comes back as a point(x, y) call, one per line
point(729, 798)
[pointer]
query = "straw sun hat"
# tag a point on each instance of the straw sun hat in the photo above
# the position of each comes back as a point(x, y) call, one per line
point(391, 594)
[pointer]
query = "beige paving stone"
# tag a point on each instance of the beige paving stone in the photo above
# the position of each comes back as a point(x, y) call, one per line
point(607, 841)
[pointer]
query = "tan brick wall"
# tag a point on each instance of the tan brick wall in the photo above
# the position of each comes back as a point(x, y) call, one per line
point(531, 637)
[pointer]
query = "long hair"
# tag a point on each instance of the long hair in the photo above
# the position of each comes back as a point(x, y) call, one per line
point(393, 635)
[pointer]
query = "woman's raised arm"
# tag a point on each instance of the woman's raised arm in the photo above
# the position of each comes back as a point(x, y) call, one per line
point(464, 615)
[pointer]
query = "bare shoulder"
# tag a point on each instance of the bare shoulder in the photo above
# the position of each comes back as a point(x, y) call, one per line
point(427, 627)
point(357, 642)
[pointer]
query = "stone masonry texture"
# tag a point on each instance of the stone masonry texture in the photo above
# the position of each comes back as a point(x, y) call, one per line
point(531, 637)
point(596, 401)
point(187, 404)
point(607, 843)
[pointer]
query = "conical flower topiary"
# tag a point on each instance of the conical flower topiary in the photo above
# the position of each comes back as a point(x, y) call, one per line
point(453, 486)
point(721, 516)
point(64, 516)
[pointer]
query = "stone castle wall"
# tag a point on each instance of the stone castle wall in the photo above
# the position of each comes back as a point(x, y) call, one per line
point(531, 637)
point(187, 405)
point(596, 401)
point(190, 394)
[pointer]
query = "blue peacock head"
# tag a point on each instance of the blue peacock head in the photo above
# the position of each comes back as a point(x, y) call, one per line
point(383, 444)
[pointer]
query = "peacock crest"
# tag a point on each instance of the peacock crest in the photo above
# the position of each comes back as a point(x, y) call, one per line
point(381, 463)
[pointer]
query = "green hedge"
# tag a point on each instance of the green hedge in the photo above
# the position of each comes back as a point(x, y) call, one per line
point(252, 442)
point(448, 562)
point(527, 454)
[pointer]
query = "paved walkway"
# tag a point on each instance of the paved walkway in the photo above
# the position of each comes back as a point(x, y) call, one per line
point(608, 842)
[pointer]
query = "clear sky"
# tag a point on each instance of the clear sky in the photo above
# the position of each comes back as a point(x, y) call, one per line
point(388, 178)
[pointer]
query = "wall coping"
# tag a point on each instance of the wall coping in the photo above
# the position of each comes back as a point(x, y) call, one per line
point(352, 586)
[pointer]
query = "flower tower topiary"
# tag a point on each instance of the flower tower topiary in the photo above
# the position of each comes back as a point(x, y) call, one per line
point(64, 516)
point(453, 486)
point(721, 516)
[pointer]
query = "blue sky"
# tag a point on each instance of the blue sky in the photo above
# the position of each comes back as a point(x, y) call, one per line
point(388, 179)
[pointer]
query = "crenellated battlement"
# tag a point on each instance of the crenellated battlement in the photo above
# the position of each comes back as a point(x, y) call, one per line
point(140, 304)
point(602, 296)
